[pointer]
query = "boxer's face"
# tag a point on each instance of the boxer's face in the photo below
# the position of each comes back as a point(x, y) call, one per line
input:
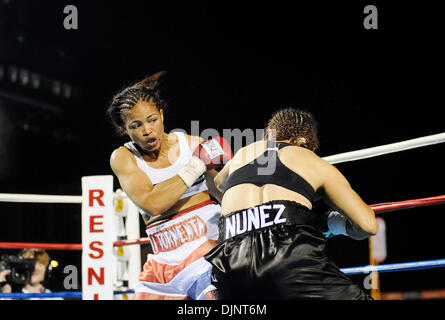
point(144, 124)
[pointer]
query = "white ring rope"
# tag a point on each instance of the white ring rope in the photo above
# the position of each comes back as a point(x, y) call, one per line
point(44, 198)
point(38, 198)
point(338, 158)
point(387, 148)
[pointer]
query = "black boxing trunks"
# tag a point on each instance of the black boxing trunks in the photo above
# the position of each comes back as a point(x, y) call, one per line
point(275, 251)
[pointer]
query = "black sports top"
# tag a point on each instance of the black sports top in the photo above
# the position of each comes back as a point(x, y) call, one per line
point(261, 171)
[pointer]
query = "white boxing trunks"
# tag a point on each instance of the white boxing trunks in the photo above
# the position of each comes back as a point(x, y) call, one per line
point(176, 270)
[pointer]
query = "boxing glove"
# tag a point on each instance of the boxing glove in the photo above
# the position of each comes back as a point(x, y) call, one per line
point(336, 224)
point(215, 153)
point(208, 155)
point(330, 222)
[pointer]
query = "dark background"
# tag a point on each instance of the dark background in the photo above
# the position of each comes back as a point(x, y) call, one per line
point(229, 66)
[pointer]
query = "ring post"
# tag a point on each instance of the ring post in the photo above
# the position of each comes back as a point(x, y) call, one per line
point(128, 256)
point(375, 279)
point(377, 254)
point(133, 232)
point(98, 261)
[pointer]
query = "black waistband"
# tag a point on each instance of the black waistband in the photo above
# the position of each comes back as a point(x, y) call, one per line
point(264, 216)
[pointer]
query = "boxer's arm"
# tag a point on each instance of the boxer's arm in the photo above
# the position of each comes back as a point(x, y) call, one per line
point(213, 190)
point(138, 187)
point(355, 232)
point(338, 223)
point(334, 222)
point(221, 178)
point(341, 196)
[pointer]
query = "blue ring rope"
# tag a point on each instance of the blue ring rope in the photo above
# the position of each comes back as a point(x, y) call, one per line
point(60, 294)
point(393, 267)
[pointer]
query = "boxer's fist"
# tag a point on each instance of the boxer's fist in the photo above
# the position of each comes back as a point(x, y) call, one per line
point(329, 221)
point(215, 153)
point(210, 154)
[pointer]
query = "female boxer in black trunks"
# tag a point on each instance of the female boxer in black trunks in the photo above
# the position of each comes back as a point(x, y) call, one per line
point(270, 244)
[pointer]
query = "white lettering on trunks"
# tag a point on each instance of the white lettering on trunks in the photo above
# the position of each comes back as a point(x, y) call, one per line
point(254, 218)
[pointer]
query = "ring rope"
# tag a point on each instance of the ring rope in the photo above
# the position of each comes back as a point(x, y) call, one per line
point(38, 198)
point(393, 267)
point(385, 149)
point(378, 208)
point(60, 294)
point(34, 245)
point(337, 158)
point(407, 204)
point(121, 243)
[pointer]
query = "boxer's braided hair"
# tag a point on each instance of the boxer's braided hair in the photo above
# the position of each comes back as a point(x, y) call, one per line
point(145, 90)
point(299, 126)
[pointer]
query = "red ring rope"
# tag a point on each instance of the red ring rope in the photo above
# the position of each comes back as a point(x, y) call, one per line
point(34, 245)
point(378, 208)
point(130, 242)
point(407, 204)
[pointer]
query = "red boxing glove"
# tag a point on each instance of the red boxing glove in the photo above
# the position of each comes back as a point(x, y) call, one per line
point(215, 153)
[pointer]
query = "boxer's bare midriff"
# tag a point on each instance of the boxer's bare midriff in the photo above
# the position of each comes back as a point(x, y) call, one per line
point(248, 195)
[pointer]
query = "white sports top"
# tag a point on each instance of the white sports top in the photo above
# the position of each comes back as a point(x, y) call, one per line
point(158, 175)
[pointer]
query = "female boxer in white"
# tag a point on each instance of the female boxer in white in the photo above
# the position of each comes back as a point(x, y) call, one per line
point(170, 185)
